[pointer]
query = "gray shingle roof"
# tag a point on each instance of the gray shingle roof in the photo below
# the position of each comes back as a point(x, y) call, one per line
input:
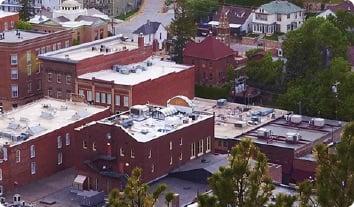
point(148, 28)
point(280, 7)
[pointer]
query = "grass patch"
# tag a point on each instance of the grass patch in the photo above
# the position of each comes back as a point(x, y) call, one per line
point(127, 14)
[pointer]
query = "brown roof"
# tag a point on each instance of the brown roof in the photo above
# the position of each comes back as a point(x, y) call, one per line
point(210, 48)
point(344, 6)
point(235, 14)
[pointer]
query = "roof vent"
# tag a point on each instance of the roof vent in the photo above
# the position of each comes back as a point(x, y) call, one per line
point(293, 137)
point(47, 115)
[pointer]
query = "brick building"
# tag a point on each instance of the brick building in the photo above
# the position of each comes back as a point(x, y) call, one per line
point(156, 139)
point(286, 140)
point(211, 59)
point(8, 20)
point(153, 81)
point(61, 68)
point(36, 139)
point(21, 77)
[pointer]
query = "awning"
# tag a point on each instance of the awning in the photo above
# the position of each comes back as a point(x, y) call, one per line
point(80, 179)
point(234, 25)
point(213, 23)
point(216, 23)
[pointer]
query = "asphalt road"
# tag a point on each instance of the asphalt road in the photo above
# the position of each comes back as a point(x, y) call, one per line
point(150, 10)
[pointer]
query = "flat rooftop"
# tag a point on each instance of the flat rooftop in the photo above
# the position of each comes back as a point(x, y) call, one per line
point(229, 114)
point(280, 128)
point(106, 46)
point(147, 122)
point(142, 72)
point(6, 14)
point(41, 117)
point(12, 36)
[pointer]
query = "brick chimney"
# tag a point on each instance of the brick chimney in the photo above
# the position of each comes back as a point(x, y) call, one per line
point(141, 40)
point(155, 45)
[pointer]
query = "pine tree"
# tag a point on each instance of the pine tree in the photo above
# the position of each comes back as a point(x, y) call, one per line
point(244, 183)
point(334, 183)
point(25, 11)
point(135, 194)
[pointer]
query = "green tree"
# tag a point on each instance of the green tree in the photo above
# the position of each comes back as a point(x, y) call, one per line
point(334, 183)
point(201, 8)
point(26, 10)
point(311, 47)
point(344, 20)
point(283, 200)
point(265, 73)
point(245, 182)
point(135, 194)
point(182, 29)
point(23, 25)
point(169, 198)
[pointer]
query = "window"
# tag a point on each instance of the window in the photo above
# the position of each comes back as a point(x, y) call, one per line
point(49, 48)
point(94, 146)
point(288, 16)
point(29, 87)
point(6, 26)
point(59, 94)
point(171, 145)
point(278, 17)
point(14, 73)
point(29, 69)
point(200, 147)
point(132, 154)
point(50, 93)
point(97, 97)
point(32, 151)
point(152, 168)
point(59, 45)
point(84, 144)
point(117, 100)
point(60, 158)
point(14, 91)
point(67, 139)
point(103, 98)
point(180, 156)
point(81, 92)
point(28, 56)
point(0, 174)
point(14, 59)
point(160, 35)
point(288, 27)
point(208, 144)
point(180, 141)
point(68, 79)
point(18, 156)
point(171, 160)
point(33, 168)
point(193, 150)
point(59, 78)
point(54, 47)
point(67, 43)
point(121, 152)
point(150, 154)
point(109, 98)
point(126, 101)
point(59, 142)
point(42, 50)
point(89, 96)
point(50, 77)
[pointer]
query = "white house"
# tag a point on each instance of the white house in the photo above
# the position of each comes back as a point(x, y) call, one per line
point(277, 16)
point(151, 31)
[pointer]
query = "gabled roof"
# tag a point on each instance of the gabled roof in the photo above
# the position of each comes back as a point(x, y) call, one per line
point(210, 48)
point(235, 14)
point(147, 28)
point(280, 7)
point(94, 20)
point(344, 6)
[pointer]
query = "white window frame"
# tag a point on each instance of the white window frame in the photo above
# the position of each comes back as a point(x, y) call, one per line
point(103, 98)
point(84, 144)
point(126, 101)
point(192, 151)
point(33, 168)
point(32, 151)
point(109, 98)
point(171, 145)
point(200, 147)
point(0, 174)
point(14, 89)
point(67, 139)
point(89, 95)
point(121, 152)
point(117, 100)
point(98, 97)
point(14, 73)
point(132, 154)
point(94, 147)
point(60, 158)
point(150, 154)
point(59, 142)
point(13, 59)
point(208, 144)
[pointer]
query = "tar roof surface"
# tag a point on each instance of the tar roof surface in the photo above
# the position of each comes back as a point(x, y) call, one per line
point(11, 37)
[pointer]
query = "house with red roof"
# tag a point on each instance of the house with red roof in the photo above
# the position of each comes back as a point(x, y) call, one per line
point(211, 58)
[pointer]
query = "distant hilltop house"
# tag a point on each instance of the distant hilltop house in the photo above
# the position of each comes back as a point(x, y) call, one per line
point(333, 9)
point(87, 24)
point(112, 7)
point(152, 31)
point(277, 16)
point(238, 17)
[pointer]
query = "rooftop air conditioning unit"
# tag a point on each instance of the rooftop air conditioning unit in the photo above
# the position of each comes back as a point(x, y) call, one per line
point(293, 137)
point(317, 122)
point(264, 133)
point(296, 119)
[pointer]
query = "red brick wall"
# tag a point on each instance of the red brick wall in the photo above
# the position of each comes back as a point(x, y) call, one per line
point(266, 43)
point(303, 169)
point(161, 152)
point(10, 20)
point(158, 91)
point(46, 156)
point(6, 49)
point(216, 69)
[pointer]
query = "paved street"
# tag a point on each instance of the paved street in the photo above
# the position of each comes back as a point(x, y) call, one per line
point(150, 10)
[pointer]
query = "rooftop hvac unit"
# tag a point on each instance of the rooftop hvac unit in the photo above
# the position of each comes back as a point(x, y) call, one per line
point(127, 122)
point(124, 71)
point(256, 118)
point(139, 112)
point(296, 119)
point(144, 131)
point(317, 122)
point(47, 115)
point(221, 102)
point(264, 133)
point(240, 124)
point(293, 137)
point(148, 63)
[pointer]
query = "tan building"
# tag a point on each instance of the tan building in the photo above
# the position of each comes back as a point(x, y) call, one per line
point(87, 24)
